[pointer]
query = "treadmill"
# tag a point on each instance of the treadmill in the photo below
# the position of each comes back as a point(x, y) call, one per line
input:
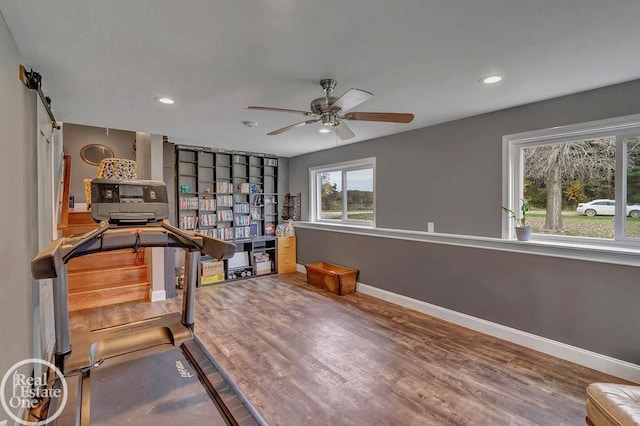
point(153, 371)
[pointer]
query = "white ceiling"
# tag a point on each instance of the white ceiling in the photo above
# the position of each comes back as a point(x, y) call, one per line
point(104, 63)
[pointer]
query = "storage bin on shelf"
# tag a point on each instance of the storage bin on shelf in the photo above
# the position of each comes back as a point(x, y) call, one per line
point(261, 263)
point(336, 279)
point(212, 272)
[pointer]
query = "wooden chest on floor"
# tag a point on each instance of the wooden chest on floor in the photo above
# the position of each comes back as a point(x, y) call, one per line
point(333, 278)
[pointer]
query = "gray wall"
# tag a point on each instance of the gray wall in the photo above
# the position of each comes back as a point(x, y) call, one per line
point(438, 173)
point(76, 136)
point(18, 209)
point(585, 304)
point(143, 155)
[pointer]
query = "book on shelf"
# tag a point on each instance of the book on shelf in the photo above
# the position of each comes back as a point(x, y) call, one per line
point(223, 233)
point(242, 232)
point(244, 188)
point(188, 203)
point(224, 187)
point(241, 208)
point(224, 200)
point(253, 229)
point(209, 232)
point(269, 228)
point(242, 220)
point(208, 220)
point(188, 222)
point(208, 204)
point(225, 215)
point(273, 162)
point(255, 214)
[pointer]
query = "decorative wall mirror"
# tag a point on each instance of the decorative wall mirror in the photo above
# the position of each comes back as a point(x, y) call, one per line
point(94, 153)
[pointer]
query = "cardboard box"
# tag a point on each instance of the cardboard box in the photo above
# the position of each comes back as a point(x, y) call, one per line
point(212, 279)
point(212, 268)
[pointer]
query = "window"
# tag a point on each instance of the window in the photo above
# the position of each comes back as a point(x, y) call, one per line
point(582, 182)
point(344, 193)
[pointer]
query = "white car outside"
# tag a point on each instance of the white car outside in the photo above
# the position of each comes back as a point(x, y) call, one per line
point(605, 208)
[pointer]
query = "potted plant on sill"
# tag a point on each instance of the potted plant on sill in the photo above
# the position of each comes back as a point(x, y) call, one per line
point(523, 231)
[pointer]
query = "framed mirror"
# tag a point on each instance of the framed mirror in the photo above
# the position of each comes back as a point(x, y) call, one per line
point(94, 153)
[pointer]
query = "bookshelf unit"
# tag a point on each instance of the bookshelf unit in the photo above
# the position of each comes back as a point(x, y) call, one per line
point(231, 196)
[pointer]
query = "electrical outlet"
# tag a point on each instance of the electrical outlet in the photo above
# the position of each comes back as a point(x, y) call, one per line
point(430, 227)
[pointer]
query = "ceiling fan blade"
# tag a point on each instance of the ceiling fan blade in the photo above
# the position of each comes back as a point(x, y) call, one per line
point(352, 98)
point(293, 126)
point(295, 111)
point(344, 132)
point(391, 117)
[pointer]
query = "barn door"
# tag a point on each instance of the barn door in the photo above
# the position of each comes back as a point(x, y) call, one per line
point(49, 157)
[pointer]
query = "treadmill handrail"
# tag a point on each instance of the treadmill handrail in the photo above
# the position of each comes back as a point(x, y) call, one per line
point(48, 263)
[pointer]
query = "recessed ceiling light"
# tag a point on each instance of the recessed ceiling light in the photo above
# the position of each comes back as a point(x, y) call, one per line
point(492, 79)
point(324, 130)
point(167, 101)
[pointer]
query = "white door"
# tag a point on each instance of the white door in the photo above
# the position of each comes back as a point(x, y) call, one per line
point(49, 156)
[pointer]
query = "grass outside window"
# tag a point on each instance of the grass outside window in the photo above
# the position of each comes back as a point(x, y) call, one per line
point(575, 225)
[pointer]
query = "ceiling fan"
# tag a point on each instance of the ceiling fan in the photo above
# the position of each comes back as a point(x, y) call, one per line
point(332, 111)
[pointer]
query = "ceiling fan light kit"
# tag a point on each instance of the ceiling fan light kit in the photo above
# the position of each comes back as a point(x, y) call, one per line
point(331, 111)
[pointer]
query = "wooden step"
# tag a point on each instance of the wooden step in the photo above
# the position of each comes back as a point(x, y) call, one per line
point(78, 229)
point(79, 222)
point(103, 295)
point(107, 276)
point(104, 278)
point(107, 259)
point(81, 218)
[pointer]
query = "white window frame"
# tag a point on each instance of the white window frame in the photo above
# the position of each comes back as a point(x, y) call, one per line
point(513, 164)
point(346, 166)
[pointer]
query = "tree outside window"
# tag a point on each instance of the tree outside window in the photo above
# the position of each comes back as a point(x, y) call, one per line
point(585, 186)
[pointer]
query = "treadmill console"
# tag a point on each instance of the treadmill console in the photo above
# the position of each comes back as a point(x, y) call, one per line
point(129, 201)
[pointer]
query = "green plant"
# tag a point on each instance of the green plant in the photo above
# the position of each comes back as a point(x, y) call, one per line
point(524, 208)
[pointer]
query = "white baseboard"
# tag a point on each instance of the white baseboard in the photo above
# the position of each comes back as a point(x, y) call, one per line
point(596, 361)
point(158, 295)
point(613, 366)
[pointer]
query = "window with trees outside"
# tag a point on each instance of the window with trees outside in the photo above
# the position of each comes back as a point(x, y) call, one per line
point(581, 182)
point(344, 193)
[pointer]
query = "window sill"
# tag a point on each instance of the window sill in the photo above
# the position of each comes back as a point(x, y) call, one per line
point(587, 252)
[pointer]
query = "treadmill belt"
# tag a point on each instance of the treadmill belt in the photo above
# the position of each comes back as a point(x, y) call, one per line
point(161, 389)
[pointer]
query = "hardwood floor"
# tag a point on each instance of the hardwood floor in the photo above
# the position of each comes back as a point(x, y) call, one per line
point(303, 356)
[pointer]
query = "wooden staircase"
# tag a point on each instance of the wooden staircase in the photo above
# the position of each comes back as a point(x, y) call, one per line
point(105, 278)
